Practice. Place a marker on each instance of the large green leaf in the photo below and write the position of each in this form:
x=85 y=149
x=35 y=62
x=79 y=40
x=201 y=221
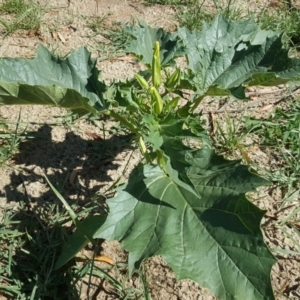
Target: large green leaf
x=48 y=80
x=223 y=58
x=228 y=54
x=144 y=40
x=169 y=135
x=211 y=235
x=173 y=128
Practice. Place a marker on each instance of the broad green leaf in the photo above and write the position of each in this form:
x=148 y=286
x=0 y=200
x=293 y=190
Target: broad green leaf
x=229 y=54
x=80 y=238
x=173 y=128
x=292 y=69
x=267 y=79
x=144 y=40
x=71 y=83
x=169 y=135
x=211 y=235
x=223 y=58
x=210 y=173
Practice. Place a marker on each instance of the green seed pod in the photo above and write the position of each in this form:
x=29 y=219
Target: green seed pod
x=142 y=146
x=156 y=68
x=142 y=81
x=173 y=80
x=156 y=100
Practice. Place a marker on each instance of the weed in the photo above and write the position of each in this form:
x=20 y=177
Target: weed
x=283 y=20
x=24 y=15
x=171 y=2
x=118 y=282
x=230 y=137
x=9 y=140
x=281 y=133
x=115 y=34
x=97 y=23
x=194 y=15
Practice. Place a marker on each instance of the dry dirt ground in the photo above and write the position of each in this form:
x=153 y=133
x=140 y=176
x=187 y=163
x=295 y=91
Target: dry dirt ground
x=59 y=150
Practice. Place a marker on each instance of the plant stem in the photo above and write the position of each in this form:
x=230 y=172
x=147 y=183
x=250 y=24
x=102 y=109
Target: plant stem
x=123 y=121
x=143 y=149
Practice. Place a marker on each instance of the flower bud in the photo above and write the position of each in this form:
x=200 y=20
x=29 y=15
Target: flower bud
x=142 y=81
x=156 y=100
x=156 y=68
x=142 y=146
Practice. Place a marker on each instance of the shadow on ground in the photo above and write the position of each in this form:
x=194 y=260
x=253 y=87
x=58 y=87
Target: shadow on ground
x=78 y=168
x=42 y=219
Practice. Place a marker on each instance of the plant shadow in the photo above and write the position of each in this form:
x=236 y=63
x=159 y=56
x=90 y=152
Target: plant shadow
x=78 y=168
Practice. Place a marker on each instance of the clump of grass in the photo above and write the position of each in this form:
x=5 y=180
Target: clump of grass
x=9 y=140
x=229 y=137
x=280 y=133
x=20 y=15
x=172 y=2
x=10 y=238
x=194 y=15
x=13 y=6
x=283 y=20
x=97 y=23
x=114 y=32
x=31 y=240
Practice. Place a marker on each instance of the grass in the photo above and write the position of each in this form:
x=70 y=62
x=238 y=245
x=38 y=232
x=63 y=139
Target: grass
x=229 y=137
x=172 y=2
x=279 y=136
x=29 y=244
x=194 y=15
x=280 y=132
x=10 y=140
x=283 y=20
x=115 y=34
x=32 y=237
x=20 y=15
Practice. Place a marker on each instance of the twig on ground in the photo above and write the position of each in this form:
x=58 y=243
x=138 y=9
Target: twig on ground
x=252 y=104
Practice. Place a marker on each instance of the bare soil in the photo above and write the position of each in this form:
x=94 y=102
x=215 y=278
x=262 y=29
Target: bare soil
x=61 y=152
